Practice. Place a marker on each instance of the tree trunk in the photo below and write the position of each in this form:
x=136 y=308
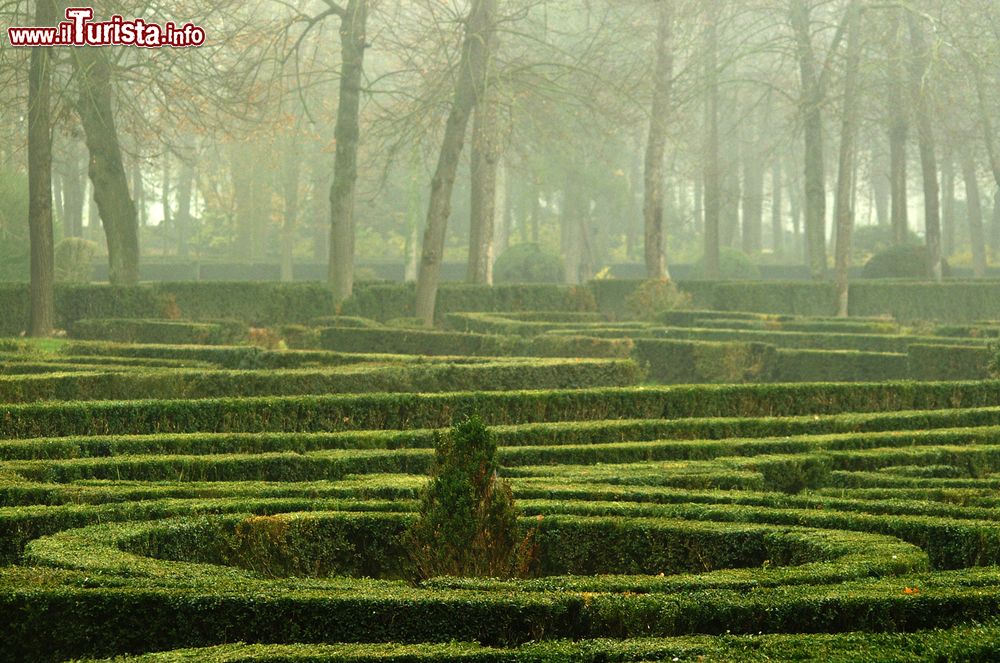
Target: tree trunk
x=571 y=241
x=948 y=220
x=925 y=136
x=712 y=185
x=347 y=132
x=73 y=190
x=93 y=216
x=899 y=129
x=40 y=181
x=290 y=198
x=813 y=96
x=848 y=153
x=242 y=167
x=185 y=189
x=536 y=211
x=880 y=187
x=729 y=199
x=107 y=172
x=483 y=175
x=472 y=69
x=995 y=235
x=753 y=204
x=974 y=214
x=165 y=192
x=139 y=192
x=654 y=246
x=795 y=194
x=777 y=202
x=319 y=215
x=505 y=213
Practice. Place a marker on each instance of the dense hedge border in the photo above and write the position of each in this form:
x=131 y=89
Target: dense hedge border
x=170 y=332
x=966 y=643
x=401 y=411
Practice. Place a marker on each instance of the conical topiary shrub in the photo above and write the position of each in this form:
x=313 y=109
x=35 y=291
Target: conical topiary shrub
x=468 y=522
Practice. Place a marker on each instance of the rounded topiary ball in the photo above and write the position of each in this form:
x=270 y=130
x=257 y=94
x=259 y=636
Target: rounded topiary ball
x=905 y=261
x=528 y=263
x=734 y=265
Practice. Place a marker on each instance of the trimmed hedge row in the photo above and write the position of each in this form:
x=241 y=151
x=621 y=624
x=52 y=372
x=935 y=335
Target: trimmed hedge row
x=170 y=332
x=686 y=362
x=400 y=411
x=949 y=362
x=951 y=301
x=134 y=617
x=850 y=366
x=423 y=342
x=966 y=643
x=188 y=383
x=387 y=302
x=265 y=303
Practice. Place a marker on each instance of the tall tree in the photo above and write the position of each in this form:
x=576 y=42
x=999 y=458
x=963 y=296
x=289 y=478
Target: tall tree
x=656 y=262
x=899 y=129
x=486 y=148
x=712 y=190
x=814 y=76
x=974 y=213
x=919 y=65
x=848 y=154
x=347 y=133
x=469 y=86
x=40 y=180
x=107 y=171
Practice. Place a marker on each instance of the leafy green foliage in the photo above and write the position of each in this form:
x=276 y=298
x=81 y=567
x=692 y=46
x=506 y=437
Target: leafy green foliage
x=468 y=521
x=654 y=298
x=905 y=261
x=74 y=259
x=528 y=263
x=734 y=265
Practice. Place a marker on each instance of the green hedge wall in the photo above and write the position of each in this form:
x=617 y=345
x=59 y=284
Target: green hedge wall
x=380 y=411
x=425 y=342
x=387 y=302
x=170 y=332
x=949 y=362
x=188 y=383
x=951 y=301
x=688 y=362
x=844 y=366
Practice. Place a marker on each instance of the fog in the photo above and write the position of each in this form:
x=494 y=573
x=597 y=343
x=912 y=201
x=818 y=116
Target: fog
x=366 y=140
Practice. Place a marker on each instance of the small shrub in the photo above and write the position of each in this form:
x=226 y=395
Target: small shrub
x=74 y=259
x=734 y=265
x=468 y=521
x=528 y=263
x=654 y=298
x=905 y=261
x=267 y=339
x=868 y=241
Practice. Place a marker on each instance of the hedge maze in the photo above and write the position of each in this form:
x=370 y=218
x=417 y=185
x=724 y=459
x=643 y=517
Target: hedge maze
x=169 y=492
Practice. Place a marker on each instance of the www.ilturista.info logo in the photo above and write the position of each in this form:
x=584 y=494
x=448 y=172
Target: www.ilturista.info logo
x=79 y=30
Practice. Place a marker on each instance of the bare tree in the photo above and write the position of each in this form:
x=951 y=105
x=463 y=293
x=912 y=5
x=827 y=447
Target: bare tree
x=814 y=76
x=848 y=155
x=919 y=65
x=656 y=263
x=712 y=176
x=347 y=133
x=107 y=170
x=469 y=86
x=40 y=180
